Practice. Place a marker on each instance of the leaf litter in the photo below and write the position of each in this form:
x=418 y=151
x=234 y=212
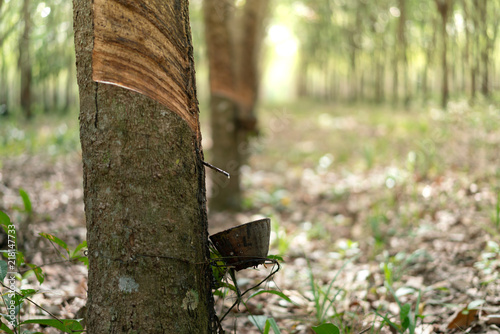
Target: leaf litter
x=376 y=203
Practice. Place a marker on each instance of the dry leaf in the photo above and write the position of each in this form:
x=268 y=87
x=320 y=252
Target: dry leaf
x=463 y=319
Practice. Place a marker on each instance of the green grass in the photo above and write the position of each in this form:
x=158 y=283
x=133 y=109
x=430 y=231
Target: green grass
x=45 y=135
x=363 y=136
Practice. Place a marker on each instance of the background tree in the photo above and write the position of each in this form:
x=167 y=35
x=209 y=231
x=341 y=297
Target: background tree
x=37 y=63
x=144 y=187
x=399 y=50
x=349 y=50
x=7 y=27
x=233 y=39
x=25 y=61
x=444 y=8
x=488 y=12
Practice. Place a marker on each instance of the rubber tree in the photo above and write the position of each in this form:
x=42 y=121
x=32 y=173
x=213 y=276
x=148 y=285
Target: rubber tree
x=444 y=8
x=402 y=53
x=144 y=181
x=233 y=36
x=25 y=60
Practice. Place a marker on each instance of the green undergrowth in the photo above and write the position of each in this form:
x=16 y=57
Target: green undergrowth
x=51 y=135
x=16 y=272
x=391 y=175
x=364 y=136
x=384 y=177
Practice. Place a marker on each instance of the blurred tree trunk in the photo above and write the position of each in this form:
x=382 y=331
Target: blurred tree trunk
x=444 y=8
x=4 y=88
x=68 y=92
x=353 y=91
x=233 y=56
x=144 y=182
x=395 y=76
x=488 y=12
x=25 y=61
x=353 y=38
x=302 y=75
x=226 y=192
x=480 y=6
x=474 y=46
x=466 y=63
x=44 y=85
x=403 y=57
x=4 y=34
x=54 y=92
x=428 y=46
x=248 y=76
x=362 y=86
x=380 y=76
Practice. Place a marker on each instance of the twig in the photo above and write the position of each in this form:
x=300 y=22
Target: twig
x=216 y=169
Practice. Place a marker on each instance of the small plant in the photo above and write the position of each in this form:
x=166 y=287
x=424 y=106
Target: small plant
x=222 y=287
x=280 y=238
x=496 y=214
x=13 y=297
x=326 y=329
x=490 y=262
x=369 y=156
x=407 y=318
x=395 y=266
x=323 y=301
x=264 y=324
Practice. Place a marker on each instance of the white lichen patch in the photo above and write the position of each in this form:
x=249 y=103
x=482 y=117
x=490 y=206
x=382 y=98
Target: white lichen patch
x=190 y=301
x=127 y=284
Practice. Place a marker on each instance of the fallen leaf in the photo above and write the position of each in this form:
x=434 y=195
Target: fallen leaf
x=463 y=319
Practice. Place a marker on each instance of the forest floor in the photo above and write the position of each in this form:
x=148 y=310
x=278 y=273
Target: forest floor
x=379 y=213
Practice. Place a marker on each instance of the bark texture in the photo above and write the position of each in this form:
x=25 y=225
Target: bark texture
x=144 y=190
x=142 y=45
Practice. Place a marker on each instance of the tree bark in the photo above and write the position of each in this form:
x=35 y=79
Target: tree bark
x=144 y=195
x=25 y=61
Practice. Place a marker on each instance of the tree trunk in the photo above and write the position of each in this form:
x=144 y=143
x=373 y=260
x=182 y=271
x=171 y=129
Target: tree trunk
x=226 y=193
x=254 y=14
x=444 y=7
x=428 y=47
x=25 y=61
x=379 y=63
x=395 y=76
x=68 y=91
x=233 y=90
x=403 y=50
x=4 y=87
x=302 y=75
x=144 y=190
x=466 y=58
x=444 y=65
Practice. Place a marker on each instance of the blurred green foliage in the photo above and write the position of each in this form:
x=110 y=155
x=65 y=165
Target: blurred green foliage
x=49 y=136
x=51 y=55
